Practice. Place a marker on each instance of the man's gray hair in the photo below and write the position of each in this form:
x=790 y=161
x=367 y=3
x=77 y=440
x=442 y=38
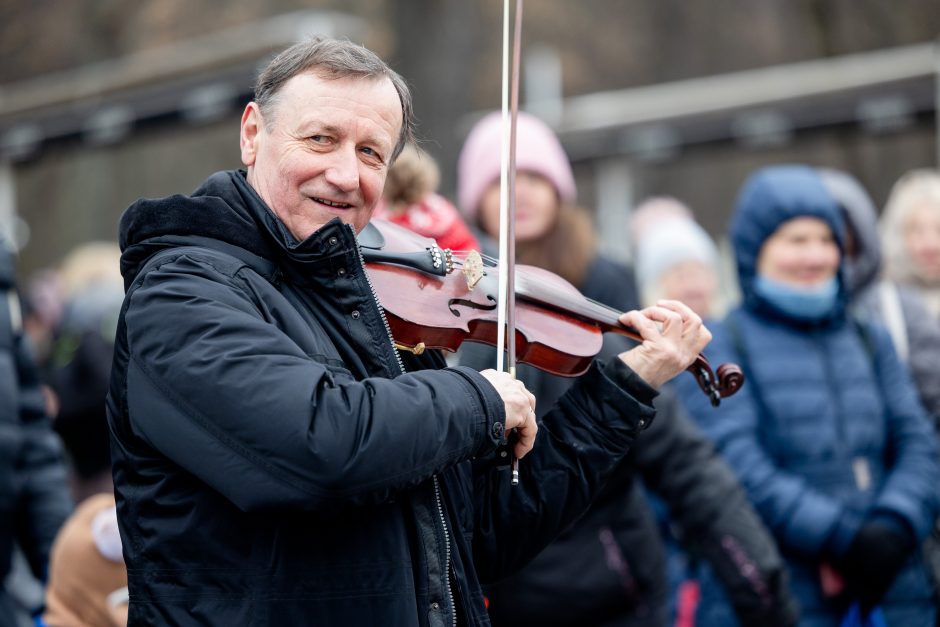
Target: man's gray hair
x=332 y=58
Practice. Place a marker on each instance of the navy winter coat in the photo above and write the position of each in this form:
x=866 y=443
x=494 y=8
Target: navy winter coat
x=272 y=464
x=616 y=547
x=828 y=427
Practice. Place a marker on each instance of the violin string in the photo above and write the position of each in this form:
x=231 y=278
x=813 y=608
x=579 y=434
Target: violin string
x=459 y=255
x=543 y=292
x=549 y=294
x=552 y=294
x=523 y=286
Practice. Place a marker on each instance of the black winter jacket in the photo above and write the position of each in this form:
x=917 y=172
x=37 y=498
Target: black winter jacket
x=272 y=464
x=34 y=498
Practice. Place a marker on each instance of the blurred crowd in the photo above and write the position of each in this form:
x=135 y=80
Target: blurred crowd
x=811 y=497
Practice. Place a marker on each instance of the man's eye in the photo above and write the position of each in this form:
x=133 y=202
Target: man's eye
x=368 y=151
x=318 y=138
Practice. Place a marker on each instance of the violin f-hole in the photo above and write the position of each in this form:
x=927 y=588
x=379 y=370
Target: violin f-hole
x=471 y=304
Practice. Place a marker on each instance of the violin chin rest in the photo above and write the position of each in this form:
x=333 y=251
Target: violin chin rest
x=371 y=237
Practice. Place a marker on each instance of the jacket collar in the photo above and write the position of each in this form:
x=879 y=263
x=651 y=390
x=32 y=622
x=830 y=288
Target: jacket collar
x=226 y=208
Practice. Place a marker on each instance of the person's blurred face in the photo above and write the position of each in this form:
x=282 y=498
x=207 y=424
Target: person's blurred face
x=325 y=150
x=537 y=207
x=922 y=239
x=801 y=253
x=692 y=282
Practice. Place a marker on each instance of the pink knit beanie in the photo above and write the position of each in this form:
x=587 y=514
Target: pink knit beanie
x=537 y=150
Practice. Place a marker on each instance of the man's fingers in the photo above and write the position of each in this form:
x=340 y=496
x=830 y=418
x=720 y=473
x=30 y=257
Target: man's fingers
x=688 y=315
x=642 y=324
x=663 y=314
x=526 y=433
x=531 y=400
x=518 y=401
x=692 y=324
x=673 y=335
x=654 y=323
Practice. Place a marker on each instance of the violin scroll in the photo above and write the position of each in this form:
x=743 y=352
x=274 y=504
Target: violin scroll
x=729 y=380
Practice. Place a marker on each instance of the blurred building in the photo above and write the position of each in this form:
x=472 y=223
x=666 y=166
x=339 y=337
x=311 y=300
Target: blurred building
x=873 y=114
x=77 y=146
x=120 y=100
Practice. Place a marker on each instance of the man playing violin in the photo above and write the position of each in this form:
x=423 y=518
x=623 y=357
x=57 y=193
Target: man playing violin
x=276 y=460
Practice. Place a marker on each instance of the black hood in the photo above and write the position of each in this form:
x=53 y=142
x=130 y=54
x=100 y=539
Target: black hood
x=224 y=208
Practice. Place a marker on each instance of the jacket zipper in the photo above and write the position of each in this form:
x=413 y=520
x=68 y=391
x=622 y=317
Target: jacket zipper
x=375 y=299
x=437 y=486
x=440 y=512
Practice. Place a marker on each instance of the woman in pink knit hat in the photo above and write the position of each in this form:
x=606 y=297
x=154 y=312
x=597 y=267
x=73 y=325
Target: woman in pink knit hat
x=551 y=231
x=609 y=568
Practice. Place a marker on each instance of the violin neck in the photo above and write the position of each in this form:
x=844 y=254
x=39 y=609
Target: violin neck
x=606 y=318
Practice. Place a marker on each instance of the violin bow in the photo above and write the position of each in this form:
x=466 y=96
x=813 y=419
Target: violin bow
x=505 y=314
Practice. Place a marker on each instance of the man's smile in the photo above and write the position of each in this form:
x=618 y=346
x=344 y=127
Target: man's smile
x=331 y=203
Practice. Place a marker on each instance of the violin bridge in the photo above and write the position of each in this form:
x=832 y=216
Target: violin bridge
x=473 y=269
x=417 y=349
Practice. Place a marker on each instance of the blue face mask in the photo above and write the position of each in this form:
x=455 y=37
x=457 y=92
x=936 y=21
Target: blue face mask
x=808 y=304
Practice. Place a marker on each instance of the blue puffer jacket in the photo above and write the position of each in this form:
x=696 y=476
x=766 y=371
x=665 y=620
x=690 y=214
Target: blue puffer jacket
x=828 y=427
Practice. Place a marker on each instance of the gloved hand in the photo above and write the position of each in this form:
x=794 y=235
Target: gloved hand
x=879 y=550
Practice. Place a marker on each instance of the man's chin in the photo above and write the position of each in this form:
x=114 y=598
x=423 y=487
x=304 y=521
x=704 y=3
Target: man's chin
x=357 y=220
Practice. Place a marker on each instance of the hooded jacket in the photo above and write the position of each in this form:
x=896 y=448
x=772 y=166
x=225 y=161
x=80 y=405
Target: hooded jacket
x=616 y=547
x=827 y=429
x=273 y=464
x=915 y=333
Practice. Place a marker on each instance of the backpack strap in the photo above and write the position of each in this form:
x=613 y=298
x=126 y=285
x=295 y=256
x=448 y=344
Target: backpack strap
x=732 y=324
x=864 y=331
x=893 y=317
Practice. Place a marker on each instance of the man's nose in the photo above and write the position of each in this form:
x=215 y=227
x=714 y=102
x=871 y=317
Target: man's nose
x=343 y=170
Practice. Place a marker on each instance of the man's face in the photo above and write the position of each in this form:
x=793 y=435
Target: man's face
x=323 y=151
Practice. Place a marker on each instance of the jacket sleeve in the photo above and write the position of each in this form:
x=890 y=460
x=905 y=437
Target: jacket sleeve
x=801 y=518
x=714 y=518
x=44 y=501
x=580 y=441
x=923 y=336
x=911 y=487
x=226 y=395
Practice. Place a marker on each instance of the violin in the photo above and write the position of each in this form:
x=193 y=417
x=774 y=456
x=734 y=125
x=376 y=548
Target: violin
x=436 y=299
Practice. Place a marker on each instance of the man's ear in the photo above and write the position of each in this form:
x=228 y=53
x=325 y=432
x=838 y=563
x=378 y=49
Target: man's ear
x=251 y=128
